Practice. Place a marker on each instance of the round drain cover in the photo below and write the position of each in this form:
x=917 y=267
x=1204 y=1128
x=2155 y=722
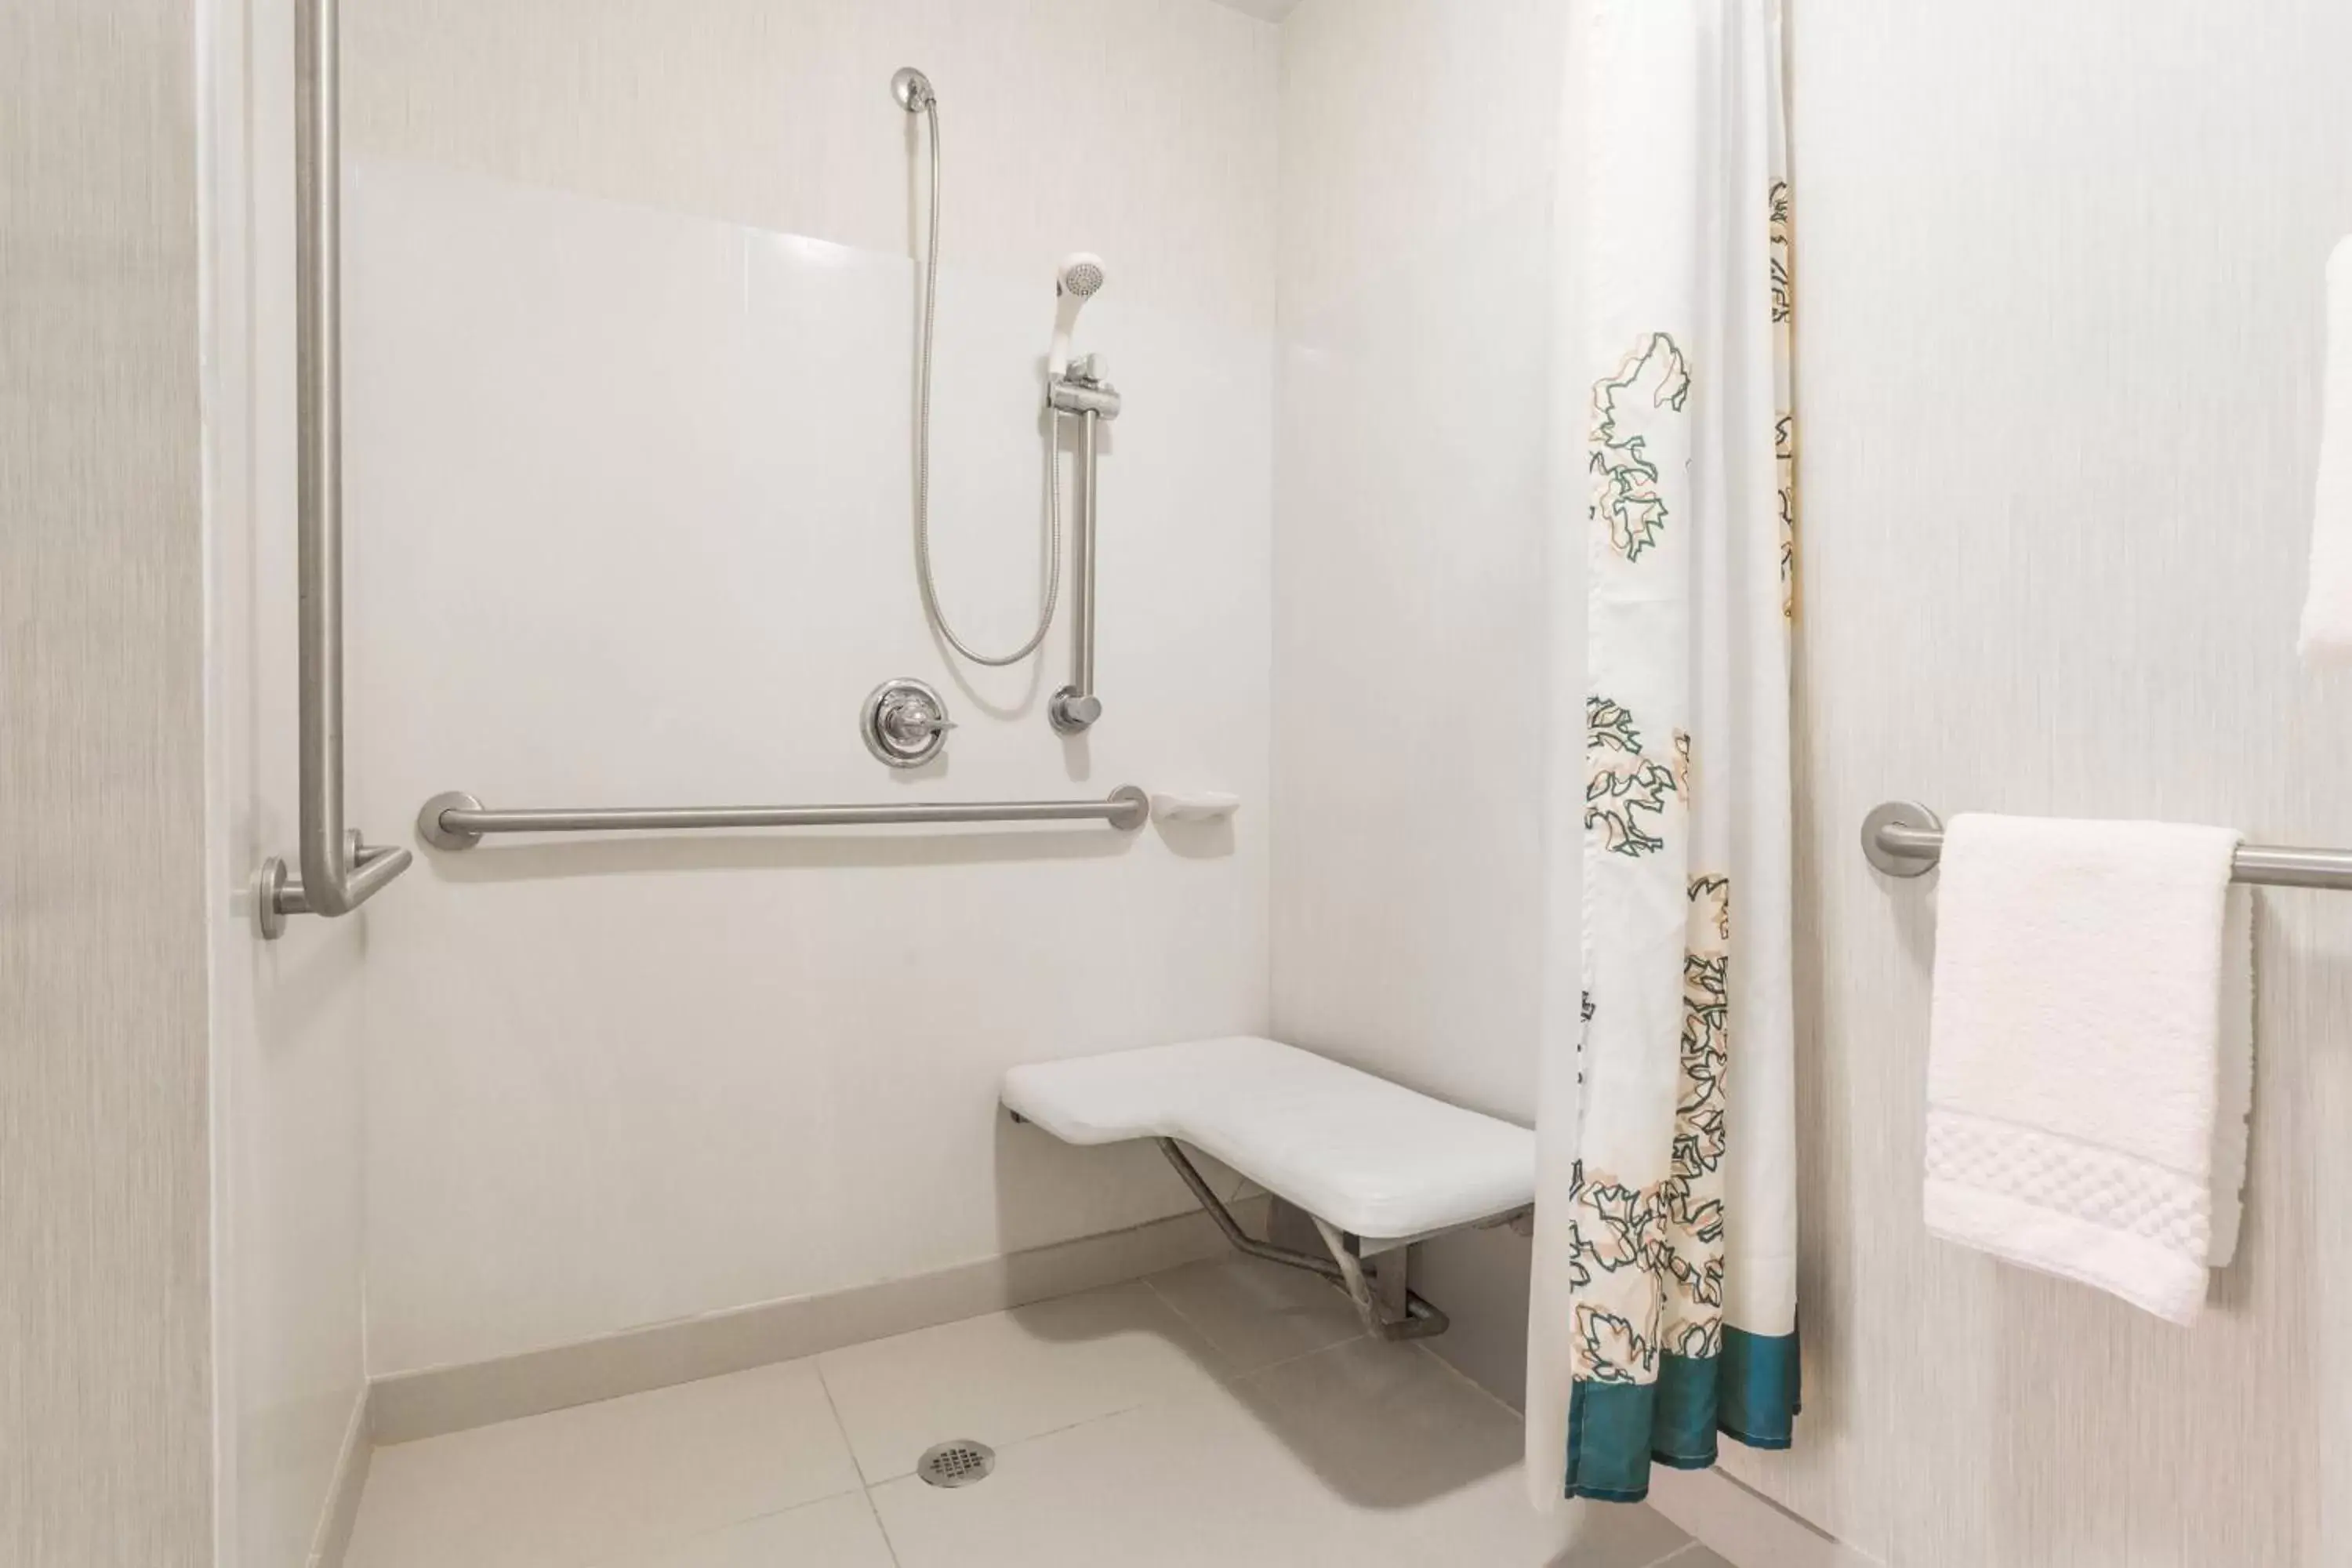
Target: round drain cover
x=956 y=1464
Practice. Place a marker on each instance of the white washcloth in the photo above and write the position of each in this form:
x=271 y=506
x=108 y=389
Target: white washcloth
x=2090 y=1059
x=2327 y=613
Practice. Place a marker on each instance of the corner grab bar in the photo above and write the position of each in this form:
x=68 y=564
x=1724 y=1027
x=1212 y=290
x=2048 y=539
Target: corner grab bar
x=340 y=871
x=458 y=821
x=1904 y=839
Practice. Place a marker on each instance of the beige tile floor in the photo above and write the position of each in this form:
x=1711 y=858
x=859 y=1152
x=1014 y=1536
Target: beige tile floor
x=1225 y=1414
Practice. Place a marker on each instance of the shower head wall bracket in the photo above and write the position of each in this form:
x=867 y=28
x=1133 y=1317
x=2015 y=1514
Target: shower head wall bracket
x=1083 y=390
x=912 y=90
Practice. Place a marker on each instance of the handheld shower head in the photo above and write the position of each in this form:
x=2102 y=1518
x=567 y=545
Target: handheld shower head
x=1080 y=278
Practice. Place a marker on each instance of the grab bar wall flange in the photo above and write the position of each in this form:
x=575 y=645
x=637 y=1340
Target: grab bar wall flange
x=1904 y=839
x=1890 y=838
x=458 y=821
x=339 y=871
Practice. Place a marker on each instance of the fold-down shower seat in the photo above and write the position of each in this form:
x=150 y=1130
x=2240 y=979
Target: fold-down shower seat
x=1377 y=1166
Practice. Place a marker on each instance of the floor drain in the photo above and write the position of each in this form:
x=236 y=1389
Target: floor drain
x=956 y=1463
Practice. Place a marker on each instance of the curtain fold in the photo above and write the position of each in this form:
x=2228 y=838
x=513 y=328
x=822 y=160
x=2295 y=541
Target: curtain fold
x=1664 y=1301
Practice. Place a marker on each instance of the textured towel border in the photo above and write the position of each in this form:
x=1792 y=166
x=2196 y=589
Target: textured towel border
x=2142 y=1272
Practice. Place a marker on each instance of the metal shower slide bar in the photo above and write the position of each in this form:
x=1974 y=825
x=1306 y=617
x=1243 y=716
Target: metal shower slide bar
x=340 y=871
x=1904 y=839
x=459 y=821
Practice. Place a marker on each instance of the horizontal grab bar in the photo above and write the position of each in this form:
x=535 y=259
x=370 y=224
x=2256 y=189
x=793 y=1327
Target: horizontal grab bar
x=1904 y=839
x=458 y=821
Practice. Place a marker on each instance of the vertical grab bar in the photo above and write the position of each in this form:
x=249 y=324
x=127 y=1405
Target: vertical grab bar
x=1082 y=614
x=339 y=871
x=1083 y=392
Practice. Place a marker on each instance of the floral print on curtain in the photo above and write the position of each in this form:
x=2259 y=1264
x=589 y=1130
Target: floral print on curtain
x=1678 y=1297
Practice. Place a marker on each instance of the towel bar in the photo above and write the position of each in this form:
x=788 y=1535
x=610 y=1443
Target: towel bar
x=1904 y=839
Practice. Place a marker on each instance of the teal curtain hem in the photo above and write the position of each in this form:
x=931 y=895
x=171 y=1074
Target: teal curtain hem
x=1616 y=1431
x=1758 y=1440
x=1678 y=1462
x=1762 y=1385
x=1609 y=1440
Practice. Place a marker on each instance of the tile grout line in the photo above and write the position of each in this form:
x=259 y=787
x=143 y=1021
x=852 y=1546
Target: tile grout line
x=1082 y=1421
x=1244 y=1375
x=1014 y=1443
x=1355 y=1338
x=857 y=1466
x=873 y=1484
x=1221 y=1384
x=735 y=1524
x=1352 y=1338
x=1499 y=1401
x=1011 y=1444
x=1178 y=1312
x=874 y=1511
x=840 y=1427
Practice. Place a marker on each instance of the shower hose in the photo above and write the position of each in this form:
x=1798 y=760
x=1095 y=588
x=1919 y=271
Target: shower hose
x=923 y=461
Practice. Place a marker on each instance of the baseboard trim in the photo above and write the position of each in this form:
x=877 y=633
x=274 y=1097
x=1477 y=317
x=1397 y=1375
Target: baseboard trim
x=1743 y=1526
x=406 y=1406
x=341 y=1508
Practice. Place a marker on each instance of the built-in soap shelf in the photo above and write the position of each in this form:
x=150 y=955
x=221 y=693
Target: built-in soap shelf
x=1196 y=805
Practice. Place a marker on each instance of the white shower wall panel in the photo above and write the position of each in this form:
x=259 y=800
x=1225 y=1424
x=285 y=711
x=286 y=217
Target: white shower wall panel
x=630 y=496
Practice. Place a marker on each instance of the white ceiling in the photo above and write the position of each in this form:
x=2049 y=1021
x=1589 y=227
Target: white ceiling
x=1272 y=10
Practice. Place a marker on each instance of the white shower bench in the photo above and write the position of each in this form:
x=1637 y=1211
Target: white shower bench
x=1377 y=1166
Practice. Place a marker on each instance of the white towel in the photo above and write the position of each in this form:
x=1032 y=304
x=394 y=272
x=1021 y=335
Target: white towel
x=2091 y=1052
x=2327 y=613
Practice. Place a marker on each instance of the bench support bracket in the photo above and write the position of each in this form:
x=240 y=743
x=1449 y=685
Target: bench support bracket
x=1383 y=1299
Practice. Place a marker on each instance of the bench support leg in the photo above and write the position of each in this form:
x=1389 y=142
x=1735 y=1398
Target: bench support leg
x=1384 y=1301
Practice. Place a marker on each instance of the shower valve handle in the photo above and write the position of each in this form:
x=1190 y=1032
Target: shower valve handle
x=910 y=723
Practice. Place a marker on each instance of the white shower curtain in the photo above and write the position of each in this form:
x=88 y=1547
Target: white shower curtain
x=1664 y=1300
